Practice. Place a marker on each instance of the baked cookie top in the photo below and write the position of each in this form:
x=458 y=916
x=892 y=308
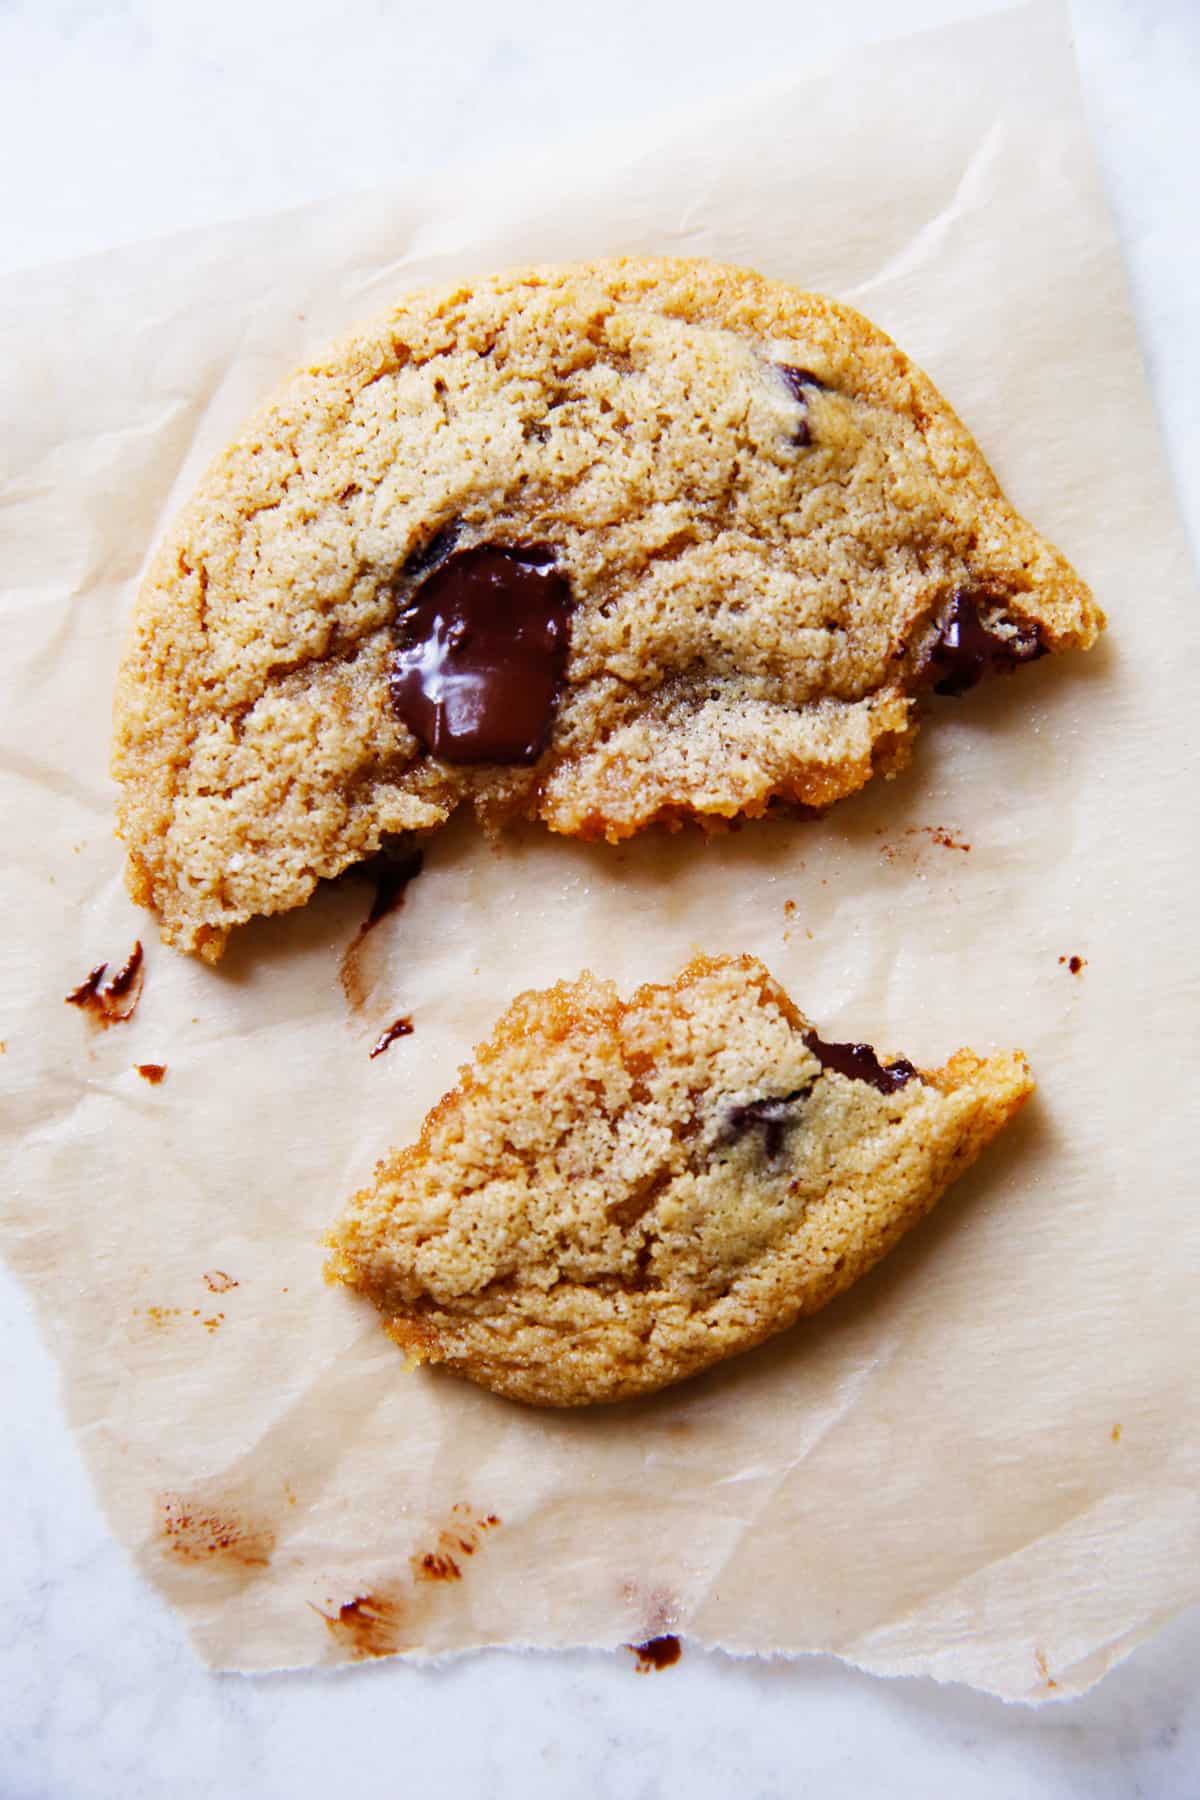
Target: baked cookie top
x=618 y=1195
x=602 y=545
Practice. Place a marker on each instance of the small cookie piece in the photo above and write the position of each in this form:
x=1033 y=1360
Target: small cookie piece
x=603 y=545
x=618 y=1195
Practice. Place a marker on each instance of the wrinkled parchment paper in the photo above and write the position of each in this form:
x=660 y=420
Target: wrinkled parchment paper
x=982 y=1464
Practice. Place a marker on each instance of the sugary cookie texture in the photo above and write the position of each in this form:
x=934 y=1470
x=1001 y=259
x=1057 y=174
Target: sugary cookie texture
x=601 y=545
x=618 y=1195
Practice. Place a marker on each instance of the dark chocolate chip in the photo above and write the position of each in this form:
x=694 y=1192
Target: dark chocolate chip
x=860 y=1063
x=797 y=380
x=967 y=648
x=483 y=652
x=774 y=1113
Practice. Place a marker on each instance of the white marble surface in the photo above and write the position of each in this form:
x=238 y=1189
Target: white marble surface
x=123 y=120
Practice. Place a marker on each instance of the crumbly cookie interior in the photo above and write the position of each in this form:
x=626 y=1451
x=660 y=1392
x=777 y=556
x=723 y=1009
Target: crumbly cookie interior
x=619 y=1194
x=758 y=566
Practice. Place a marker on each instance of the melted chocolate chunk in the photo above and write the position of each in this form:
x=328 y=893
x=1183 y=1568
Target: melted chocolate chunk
x=483 y=651
x=860 y=1063
x=397 y=1029
x=796 y=381
x=774 y=1113
x=968 y=649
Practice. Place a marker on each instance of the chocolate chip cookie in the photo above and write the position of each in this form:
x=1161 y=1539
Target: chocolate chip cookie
x=603 y=545
x=618 y=1195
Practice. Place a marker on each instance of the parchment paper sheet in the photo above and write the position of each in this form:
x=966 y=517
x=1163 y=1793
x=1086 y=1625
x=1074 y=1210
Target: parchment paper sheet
x=982 y=1464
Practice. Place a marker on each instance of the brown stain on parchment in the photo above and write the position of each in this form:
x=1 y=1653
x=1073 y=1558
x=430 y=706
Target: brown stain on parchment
x=114 y=1001
x=656 y=1653
x=458 y=1539
x=194 y=1530
x=217 y=1281
x=1039 y=1658
x=391 y=873
x=154 y=1073
x=399 y=1028
x=161 y=1315
x=916 y=837
x=372 y=1623
x=351 y=977
x=657 y=1610
x=369 y=1624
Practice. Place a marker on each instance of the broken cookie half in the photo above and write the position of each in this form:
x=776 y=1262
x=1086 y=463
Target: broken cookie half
x=603 y=545
x=619 y=1194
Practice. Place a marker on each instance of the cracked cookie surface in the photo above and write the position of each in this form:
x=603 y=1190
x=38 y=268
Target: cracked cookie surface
x=761 y=532
x=618 y=1195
